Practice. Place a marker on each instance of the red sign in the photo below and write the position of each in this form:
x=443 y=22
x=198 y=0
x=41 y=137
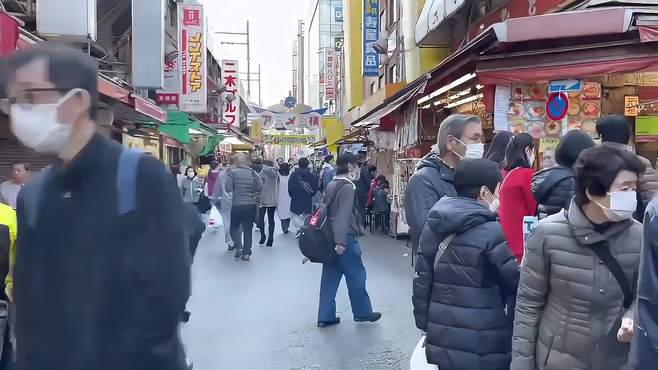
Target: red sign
x=513 y=9
x=557 y=106
x=192 y=17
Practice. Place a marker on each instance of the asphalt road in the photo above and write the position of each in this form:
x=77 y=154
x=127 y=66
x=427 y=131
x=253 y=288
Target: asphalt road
x=262 y=314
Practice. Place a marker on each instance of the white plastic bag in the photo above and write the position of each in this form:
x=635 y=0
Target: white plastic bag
x=215 y=219
x=419 y=358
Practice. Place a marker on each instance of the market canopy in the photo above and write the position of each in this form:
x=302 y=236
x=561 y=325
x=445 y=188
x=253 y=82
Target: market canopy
x=182 y=127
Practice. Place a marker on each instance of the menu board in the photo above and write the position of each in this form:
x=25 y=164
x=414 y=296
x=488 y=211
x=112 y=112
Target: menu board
x=527 y=112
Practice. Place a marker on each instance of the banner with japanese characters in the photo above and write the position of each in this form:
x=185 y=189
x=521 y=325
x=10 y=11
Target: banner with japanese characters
x=330 y=61
x=192 y=59
x=168 y=95
x=231 y=80
x=370 y=35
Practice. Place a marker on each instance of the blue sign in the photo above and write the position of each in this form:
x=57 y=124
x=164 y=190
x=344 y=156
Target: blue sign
x=290 y=102
x=370 y=35
x=564 y=86
x=338 y=13
x=557 y=106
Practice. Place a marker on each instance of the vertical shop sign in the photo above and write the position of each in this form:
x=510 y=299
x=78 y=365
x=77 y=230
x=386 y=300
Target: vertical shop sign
x=168 y=96
x=370 y=35
x=330 y=74
x=192 y=59
x=231 y=80
x=631 y=104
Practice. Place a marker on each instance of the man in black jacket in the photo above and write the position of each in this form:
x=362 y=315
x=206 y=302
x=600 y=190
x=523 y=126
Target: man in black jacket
x=466 y=275
x=102 y=269
x=460 y=136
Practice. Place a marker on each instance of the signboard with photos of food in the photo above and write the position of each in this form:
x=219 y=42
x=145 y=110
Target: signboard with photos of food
x=528 y=105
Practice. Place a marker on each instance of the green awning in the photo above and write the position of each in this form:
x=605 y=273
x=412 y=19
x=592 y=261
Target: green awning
x=178 y=126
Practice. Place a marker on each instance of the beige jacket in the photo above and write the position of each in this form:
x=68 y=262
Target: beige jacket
x=569 y=306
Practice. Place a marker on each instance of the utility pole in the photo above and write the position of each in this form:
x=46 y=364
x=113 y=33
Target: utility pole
x=248 y=45
x=249 y=79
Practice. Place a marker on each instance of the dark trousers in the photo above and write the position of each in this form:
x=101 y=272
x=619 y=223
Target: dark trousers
x=270 y=222
x=285 y=225
x=349 y=264
x=242 y=223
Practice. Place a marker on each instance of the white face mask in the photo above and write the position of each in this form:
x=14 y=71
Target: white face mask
x=622 y=206
x=354 y=174
x=473 y=150
x=531 y=158
x=37 y=126
x=190 y=174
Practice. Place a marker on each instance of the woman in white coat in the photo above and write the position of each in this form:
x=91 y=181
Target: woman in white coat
x=283 y=206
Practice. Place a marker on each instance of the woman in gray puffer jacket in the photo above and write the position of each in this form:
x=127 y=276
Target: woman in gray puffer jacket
x=569 y=305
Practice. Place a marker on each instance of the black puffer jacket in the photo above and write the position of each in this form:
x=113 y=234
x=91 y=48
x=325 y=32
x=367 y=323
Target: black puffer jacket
x=460 y=302
x=553 y=189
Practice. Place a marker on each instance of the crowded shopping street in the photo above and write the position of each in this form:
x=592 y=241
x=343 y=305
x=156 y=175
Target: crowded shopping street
x=329 y=184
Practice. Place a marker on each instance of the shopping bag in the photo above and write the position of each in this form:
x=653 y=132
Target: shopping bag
x=419 y=359
x=215 y=219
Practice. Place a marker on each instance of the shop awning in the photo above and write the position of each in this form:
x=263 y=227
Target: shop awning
x=432 y=28
x=391 y=104
x=178 y=126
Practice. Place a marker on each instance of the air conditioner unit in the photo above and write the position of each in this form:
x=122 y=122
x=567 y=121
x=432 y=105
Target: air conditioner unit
x=78 y=24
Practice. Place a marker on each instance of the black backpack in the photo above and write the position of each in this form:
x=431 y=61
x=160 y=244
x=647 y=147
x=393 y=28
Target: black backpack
x=316 y=238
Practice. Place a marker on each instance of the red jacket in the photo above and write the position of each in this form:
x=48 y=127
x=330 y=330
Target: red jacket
x=373 y=184
x=516 y=201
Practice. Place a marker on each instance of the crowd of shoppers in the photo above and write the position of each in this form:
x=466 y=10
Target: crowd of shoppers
x=579 y=293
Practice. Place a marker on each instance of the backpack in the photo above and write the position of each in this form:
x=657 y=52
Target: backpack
x=126 y=185
x=316 y=239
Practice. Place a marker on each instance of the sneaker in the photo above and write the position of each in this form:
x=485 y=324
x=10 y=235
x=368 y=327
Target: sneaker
x=238 y=254
x=262 y=241
x=324 y=324
x=245 y=257
x=269 y=242
x=231 y=247
x=375 y=316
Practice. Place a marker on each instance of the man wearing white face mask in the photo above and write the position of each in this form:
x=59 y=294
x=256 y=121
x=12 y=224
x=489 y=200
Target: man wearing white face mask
x=579 y=272
x=463 y=252
x=102 y=246
x=460 y=136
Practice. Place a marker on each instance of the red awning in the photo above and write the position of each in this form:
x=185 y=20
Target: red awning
x=579 y=70
x=648 y=33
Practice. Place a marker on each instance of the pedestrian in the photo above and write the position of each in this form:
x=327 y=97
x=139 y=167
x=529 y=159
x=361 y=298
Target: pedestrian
x=279 y=162
x=8 y=230
x=578 y=274
x=615 y=131
x=101 y=246
x=327 y=173
x=374 y=184
x=554 y=187
x=302 y=186
x=244 y=184
x=223 y=201
x=516 y=199
x=381 y=206
x=283 y=199
x=191 y=186
x=368 y=173
x=466 y=277
x=460 y=136
x=644 y=346
x=211 y=179
x=497 y=147
x=20 y=173
x=346 y=228
x=268 y=201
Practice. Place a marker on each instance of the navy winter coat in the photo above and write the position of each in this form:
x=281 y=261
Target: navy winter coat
x=553 y=189
x=460 y=300
x=302 y=186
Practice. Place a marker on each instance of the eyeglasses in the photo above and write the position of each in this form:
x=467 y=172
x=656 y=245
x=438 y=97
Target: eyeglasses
x=29 y=97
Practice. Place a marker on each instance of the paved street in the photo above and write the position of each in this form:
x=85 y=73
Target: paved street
x=262 y=314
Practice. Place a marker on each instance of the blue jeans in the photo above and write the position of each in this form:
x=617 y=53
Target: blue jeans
x=349 y=264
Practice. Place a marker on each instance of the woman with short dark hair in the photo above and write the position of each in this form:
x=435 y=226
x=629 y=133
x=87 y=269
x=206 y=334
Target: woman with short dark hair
x=578 y=274
x=497 y=148
x=516 y=199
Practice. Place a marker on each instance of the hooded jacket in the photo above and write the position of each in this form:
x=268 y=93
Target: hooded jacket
x=569 y=306
x=553 y=189
x=460 y=300
x=431 y=182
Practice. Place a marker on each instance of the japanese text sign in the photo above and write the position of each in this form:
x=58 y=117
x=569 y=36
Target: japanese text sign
x=631 y=104
x=192 y=59
x=231 y=80
x=330 y=74
x=168 y=95
x=370 y=35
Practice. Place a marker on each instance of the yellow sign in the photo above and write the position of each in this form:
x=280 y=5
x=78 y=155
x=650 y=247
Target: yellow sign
x=548 y=143
x=631 y=105
x=289 y=139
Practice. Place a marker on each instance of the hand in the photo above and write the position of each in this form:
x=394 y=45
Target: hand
x=340 y=249
x=625 y=333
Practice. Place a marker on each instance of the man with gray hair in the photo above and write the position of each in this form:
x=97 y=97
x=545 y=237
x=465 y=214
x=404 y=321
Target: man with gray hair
x=460 y=136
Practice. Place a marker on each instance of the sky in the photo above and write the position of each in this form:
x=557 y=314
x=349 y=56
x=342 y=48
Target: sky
x=273 y=28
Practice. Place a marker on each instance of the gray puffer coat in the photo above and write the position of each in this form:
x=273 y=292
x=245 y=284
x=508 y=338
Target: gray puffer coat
x=569 y=306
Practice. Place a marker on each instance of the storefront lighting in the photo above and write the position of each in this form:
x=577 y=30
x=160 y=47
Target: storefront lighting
x=194 y=132
x=447 y=87
x=464 y=101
